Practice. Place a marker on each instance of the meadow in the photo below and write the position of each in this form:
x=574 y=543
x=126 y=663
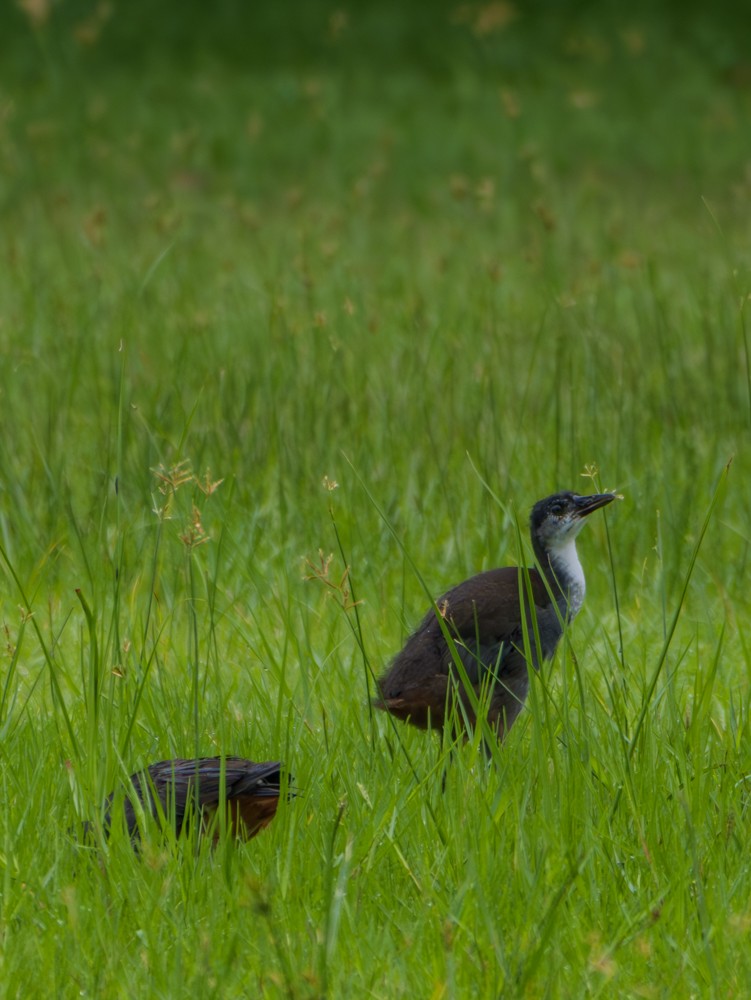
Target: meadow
x=301 y=308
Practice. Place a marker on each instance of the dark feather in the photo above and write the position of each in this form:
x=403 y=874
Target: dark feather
x=177 y=789
x=483 y=616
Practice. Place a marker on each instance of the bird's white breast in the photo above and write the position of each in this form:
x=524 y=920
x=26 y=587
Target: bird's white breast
x=570 y=575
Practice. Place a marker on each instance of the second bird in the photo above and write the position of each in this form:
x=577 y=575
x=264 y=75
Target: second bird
x=484 y=617
x=172 y=790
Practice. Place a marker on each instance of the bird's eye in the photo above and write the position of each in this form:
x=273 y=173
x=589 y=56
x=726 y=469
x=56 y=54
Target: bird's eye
x=556 y=508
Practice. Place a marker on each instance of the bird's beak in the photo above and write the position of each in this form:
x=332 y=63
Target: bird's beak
x=585 y=505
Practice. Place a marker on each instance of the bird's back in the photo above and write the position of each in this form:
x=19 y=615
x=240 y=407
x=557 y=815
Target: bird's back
x=177 y=788
x=483 y=615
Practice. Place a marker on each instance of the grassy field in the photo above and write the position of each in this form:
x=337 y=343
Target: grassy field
x=369 y=281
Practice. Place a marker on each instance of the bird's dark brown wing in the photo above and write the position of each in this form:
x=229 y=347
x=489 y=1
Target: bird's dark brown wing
x=486 y=608
x=251 y=791
x=484 y=616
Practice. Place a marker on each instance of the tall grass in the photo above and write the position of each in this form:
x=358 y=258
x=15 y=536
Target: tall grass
x=297 y=320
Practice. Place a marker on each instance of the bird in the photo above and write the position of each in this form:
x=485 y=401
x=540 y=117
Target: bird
x=484 y=617
x=173 y=791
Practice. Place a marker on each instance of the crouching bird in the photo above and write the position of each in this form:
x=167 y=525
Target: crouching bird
x=175 y=792
x=487 y=617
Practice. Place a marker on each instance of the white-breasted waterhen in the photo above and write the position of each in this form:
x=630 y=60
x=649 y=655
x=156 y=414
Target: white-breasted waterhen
x=484 y=618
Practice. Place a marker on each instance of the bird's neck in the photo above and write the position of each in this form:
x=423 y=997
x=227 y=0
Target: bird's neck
x=565 y=575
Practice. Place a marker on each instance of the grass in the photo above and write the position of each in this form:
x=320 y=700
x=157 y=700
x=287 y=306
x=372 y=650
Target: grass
x=451 y=264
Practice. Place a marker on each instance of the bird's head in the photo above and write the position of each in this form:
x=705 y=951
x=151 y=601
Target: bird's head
x=559 y=518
